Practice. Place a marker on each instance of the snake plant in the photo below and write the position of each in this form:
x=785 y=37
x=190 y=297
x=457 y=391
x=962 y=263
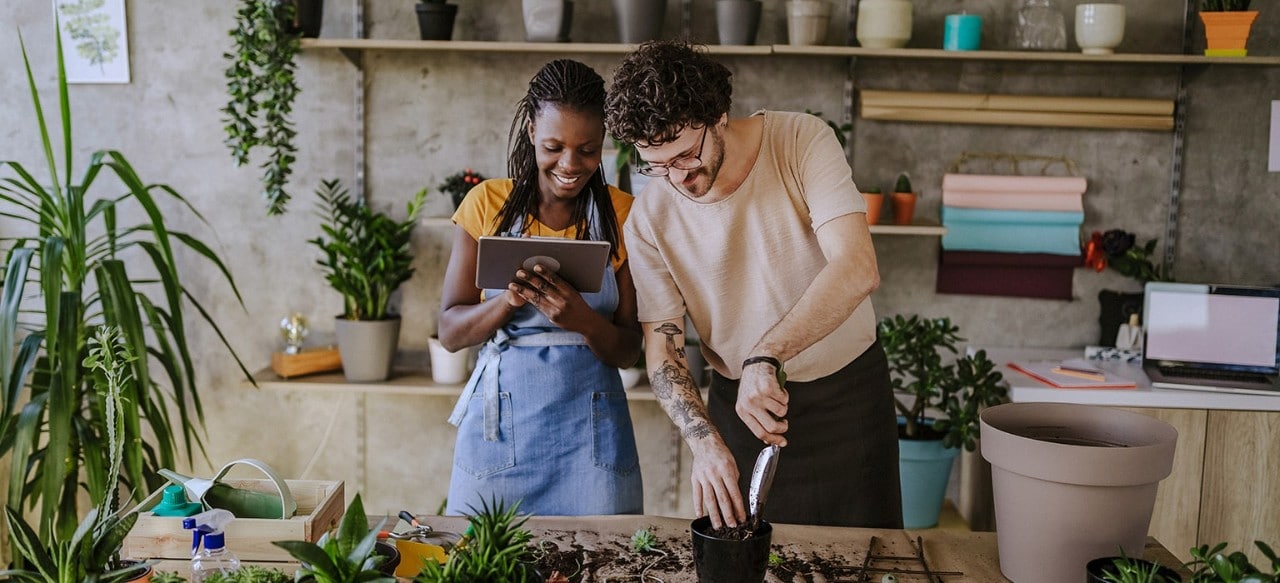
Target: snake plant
x=89 y=258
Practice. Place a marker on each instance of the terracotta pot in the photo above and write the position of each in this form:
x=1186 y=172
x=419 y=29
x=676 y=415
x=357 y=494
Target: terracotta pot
x=875 y=202
x=1071 y=483
x=1226 y=33
x=904 y=207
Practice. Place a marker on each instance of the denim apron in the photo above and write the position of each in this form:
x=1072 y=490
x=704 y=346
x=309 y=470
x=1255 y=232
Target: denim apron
x=544 y=422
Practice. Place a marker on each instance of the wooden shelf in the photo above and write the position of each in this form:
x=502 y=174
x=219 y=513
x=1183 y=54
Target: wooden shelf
x=402 y=382
x=355 y=44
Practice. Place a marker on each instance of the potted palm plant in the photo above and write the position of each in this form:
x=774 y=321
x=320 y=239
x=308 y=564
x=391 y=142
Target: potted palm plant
x=366 y=256
x=1226 y=26
x=939 y=405
x=89 y=252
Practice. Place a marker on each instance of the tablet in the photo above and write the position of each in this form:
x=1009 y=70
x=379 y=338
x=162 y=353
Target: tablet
x=580 y=263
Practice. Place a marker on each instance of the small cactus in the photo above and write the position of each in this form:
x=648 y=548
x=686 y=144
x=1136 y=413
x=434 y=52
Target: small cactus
x=903 y=184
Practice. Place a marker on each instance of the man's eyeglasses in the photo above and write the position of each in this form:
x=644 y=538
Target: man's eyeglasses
x=693 y=162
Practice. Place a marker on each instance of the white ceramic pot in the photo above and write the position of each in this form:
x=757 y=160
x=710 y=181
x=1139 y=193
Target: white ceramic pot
x=884 y=24
x=807 y=21
x=631 y=376
x=1099 y=28
x=448 y=368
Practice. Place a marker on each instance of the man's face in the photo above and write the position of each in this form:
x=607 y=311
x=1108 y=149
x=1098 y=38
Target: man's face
x=567 y=144
x=699 y=147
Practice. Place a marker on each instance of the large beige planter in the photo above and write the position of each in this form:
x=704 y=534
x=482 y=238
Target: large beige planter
x=1071 y=483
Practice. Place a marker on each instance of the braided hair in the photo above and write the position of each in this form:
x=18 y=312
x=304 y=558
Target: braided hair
x=560 y=83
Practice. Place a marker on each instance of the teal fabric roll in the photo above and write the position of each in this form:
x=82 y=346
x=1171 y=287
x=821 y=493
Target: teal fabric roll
x=1013 y=238
x=976 y=215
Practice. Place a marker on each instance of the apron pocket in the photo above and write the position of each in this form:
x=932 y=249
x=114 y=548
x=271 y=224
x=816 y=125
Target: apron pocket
x=476 y=456
x=613 y=443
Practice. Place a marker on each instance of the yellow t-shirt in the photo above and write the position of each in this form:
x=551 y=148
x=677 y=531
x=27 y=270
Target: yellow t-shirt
x=478 y=214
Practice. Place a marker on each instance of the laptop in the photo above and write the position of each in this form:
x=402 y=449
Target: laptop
x=1211 y=337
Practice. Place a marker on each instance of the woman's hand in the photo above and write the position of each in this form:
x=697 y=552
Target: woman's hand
x=551 y=295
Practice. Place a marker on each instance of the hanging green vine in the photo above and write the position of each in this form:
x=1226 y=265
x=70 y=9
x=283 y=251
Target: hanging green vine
x=261 y=85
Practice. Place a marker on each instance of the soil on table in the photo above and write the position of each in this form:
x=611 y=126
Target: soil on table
x=587 y=556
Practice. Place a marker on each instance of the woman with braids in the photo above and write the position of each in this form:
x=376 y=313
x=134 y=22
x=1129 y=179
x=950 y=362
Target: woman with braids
x=544 y=420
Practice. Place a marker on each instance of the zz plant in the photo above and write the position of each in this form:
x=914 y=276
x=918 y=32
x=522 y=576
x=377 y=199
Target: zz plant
x=262 y=87
x=958 y=390
x=79 y=265
x=366 y=253
x=344 y=555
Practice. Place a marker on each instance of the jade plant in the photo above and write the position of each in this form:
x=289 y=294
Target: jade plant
x=923 y=382
x=366 y=254
x=1215 y=565
x=261 y=86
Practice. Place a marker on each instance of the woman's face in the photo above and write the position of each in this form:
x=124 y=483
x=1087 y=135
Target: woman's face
x=567 y=143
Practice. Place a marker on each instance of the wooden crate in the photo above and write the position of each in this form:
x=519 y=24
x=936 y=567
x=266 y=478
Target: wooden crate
x=320 y=508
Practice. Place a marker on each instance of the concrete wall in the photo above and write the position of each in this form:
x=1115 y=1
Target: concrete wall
x=431 y=114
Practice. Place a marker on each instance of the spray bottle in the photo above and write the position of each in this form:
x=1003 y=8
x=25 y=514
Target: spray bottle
x=209 y=553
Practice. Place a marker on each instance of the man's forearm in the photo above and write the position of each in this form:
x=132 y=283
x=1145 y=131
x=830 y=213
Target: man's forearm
x=673 y=386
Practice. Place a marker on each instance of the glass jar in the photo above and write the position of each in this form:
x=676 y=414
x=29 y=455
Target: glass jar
x=1039 y=26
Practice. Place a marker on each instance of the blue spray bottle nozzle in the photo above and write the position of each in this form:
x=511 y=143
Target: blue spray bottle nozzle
x=210 y=523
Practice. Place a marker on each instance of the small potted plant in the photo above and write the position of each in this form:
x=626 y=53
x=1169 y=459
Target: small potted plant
x=841 y=130
x=435 y=19
x=344 y=555
x=922 y=383
x=1226 y=27
x=1214 y=565
x=495 y=548
x=875 y=203
x=904 y=200
x=458 y=185
x=1118 y=249
x=366 y=256
x=1126 y=569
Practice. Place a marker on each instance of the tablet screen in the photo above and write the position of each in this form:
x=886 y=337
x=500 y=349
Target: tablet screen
x=580 y=263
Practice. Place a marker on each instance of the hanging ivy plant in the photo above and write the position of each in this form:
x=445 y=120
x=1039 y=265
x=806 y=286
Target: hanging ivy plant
x=261 y=85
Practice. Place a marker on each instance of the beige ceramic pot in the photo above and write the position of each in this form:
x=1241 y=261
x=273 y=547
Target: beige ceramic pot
x=1071 y=483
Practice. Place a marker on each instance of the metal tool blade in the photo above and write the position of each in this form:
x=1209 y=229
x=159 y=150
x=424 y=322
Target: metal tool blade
x=761 y=480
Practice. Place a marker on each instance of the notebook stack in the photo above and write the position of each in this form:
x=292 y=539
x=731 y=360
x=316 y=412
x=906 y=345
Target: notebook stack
x=1010 y=235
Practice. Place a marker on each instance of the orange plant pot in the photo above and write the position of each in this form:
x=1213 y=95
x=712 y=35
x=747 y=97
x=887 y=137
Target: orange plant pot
x=904 y=207
x=875 y=203
x=1226 y=33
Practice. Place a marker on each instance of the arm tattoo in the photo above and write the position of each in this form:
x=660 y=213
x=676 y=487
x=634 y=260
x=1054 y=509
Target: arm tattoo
x=674 y=388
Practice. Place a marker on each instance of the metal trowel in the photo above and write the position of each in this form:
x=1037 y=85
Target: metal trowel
x=761 y=480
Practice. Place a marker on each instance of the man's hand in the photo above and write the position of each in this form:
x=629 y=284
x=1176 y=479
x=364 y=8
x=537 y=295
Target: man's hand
x=762 y=403
x=715 y=486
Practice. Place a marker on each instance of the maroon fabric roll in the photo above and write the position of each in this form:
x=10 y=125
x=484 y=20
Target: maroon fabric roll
x=1024 y=275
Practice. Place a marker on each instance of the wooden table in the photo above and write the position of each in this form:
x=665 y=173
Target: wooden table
x=966 y=556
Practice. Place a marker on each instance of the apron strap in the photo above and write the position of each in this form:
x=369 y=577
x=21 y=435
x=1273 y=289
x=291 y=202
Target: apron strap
x=486 y=375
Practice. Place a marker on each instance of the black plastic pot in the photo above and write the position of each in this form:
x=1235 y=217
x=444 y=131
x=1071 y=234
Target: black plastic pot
x=730 y=561
x=388 y=550
x=1096 y=567
x=435 y=20
x=307 y=17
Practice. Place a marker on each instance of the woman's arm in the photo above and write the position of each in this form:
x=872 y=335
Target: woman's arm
x=464 y=320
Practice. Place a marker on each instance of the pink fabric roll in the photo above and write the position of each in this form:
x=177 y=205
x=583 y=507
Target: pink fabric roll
x=1043 y=193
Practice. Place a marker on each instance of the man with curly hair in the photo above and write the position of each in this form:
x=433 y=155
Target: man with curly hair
x=759 y=236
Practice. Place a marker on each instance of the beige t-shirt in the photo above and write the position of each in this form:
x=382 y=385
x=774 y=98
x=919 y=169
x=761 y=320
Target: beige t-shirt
x=738 y=265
